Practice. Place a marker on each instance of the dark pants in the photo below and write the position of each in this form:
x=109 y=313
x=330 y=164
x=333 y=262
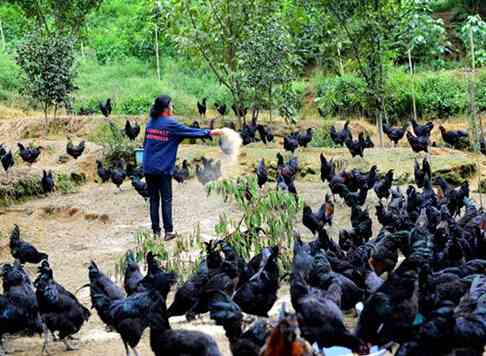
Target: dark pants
x=160 y=186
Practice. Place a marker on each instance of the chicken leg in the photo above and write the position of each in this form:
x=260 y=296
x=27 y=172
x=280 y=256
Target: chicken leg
x=46 y=342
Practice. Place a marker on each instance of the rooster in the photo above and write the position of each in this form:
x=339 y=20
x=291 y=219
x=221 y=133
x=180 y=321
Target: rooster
x=47 y=182
x=202 y=107
x=181 y=174
x=420 y=174
x=305 y=138
x=395 y=134
x=73 y=150
x=22 y=251
x=106 y=108
x=132 y=131
x=356 y=148
x=103 y=173
x=262 y=173
x=7 y=161
x=220 y=108
x=340 y=137
x=140 y=187
x=29 y=154
x=285 y=339
x=418 y=143
x=422 y=130
x=456 y=138
x=291 y=142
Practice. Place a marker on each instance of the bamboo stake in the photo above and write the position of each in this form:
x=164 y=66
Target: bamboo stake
x=414 y=105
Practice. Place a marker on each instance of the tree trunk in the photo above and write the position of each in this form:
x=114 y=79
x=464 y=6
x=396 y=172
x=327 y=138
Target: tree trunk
x=46 y=121
x=157 y=58
x=270 y=101
x=412 y=76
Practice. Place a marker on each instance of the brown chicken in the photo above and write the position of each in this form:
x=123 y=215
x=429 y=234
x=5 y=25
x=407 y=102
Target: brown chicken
x=285 y=340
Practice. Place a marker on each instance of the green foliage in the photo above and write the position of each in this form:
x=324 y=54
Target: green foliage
x=475 y=27
x=9 y=77
x=184 y=259
x=422 y=34
x=438 y=94
x=48 y=65
x=58 y=16
x=133 y=86
x=322 y=135
x=341 y=95
x=273 y=212
x=115 y=144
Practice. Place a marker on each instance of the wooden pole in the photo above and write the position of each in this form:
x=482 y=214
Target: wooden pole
x=341 y=66
x=412 y=76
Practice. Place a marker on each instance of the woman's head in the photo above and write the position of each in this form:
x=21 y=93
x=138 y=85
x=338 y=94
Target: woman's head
x=162 y=106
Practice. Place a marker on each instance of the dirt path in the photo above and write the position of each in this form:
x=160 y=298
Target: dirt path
x=97 y=224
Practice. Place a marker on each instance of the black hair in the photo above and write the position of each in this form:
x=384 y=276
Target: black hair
x=161 y=103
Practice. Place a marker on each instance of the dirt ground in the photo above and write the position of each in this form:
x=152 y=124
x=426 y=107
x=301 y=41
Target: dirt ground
x=99 y=223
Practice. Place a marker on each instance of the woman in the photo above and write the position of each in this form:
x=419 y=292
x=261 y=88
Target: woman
x=163 y=135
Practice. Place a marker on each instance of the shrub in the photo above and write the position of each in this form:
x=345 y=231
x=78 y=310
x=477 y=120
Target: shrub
x=322 y=136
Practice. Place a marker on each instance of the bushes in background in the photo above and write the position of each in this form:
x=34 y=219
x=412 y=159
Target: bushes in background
x=438 y=94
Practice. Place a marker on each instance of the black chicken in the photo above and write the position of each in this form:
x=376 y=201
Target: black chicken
x=7 y=161
x=75 y=151
x=29 y=154
x=482 y=145
x=106 y=108
x=356 y=148
x=258 y=295
x=291 y=142
x=422 y=130
x=209 y=171
x=316 y=221
x=262 y=173
x=118 y=174
x=103 y=293
x=133 y=276
x=352 y=198
x=321 y=320
x=202 y=107
x=220 y=108
x=60 y=309
x=305 y=138
x=132 y=131
x=103 y=173
x=418 y=143
x=395 y=134
x=19 y=310
x=141 y=187
x=22 y=251
x=383 y=186
x=265 y=133
x=420 y=174
x=327 y=168
x=458 y=139
x=47 y=182
x=339 y=138
x=181 y=174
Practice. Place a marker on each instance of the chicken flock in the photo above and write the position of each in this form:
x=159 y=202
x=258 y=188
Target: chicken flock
x=417 y=286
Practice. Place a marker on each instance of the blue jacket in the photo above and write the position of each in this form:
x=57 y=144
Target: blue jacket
x=162 y=138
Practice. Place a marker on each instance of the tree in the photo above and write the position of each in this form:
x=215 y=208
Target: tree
x=48 y=63
x=369 y=28
x=267 y=59
x=47 y=54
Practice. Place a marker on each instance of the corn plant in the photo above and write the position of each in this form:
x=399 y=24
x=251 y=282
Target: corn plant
x=267 y=218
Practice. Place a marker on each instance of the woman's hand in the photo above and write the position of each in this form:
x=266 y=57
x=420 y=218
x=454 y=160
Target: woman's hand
x=216 y=132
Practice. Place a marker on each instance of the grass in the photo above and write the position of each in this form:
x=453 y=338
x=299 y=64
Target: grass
x=133 y=86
